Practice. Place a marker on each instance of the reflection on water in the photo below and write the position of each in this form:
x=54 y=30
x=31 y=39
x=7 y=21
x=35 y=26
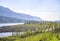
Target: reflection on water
x=8 y=34
x=5 y=34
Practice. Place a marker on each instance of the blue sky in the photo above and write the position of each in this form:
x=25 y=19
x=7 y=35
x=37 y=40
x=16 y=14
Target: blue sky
x=45 y=9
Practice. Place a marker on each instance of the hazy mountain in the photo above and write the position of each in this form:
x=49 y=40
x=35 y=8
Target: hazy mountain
x=7 y=15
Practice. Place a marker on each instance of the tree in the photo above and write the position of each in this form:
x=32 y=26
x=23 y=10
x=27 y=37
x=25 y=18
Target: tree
x=16 y=30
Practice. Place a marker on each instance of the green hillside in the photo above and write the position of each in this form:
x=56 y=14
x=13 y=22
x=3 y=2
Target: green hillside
x=44 y=31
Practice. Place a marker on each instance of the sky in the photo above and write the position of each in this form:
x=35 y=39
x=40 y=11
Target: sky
x=48 y=10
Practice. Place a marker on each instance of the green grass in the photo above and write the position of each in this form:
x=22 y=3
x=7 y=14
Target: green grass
x=46 y=36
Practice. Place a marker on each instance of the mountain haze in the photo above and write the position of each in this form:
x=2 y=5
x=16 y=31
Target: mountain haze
x=7 y=15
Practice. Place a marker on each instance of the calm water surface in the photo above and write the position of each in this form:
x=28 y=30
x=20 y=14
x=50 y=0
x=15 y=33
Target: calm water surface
x=5 y=34
x=8 y=33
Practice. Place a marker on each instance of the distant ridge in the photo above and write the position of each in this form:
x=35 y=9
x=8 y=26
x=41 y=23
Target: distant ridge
x=7 y=15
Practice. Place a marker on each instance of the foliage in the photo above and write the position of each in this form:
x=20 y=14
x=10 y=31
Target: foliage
x=40 y=34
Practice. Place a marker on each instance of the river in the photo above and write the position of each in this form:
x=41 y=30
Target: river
x=4 y=34
x=10 y=24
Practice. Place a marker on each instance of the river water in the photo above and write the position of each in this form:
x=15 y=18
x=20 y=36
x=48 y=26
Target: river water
x=8 y=33
x=10 y=24
x=5 y=34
